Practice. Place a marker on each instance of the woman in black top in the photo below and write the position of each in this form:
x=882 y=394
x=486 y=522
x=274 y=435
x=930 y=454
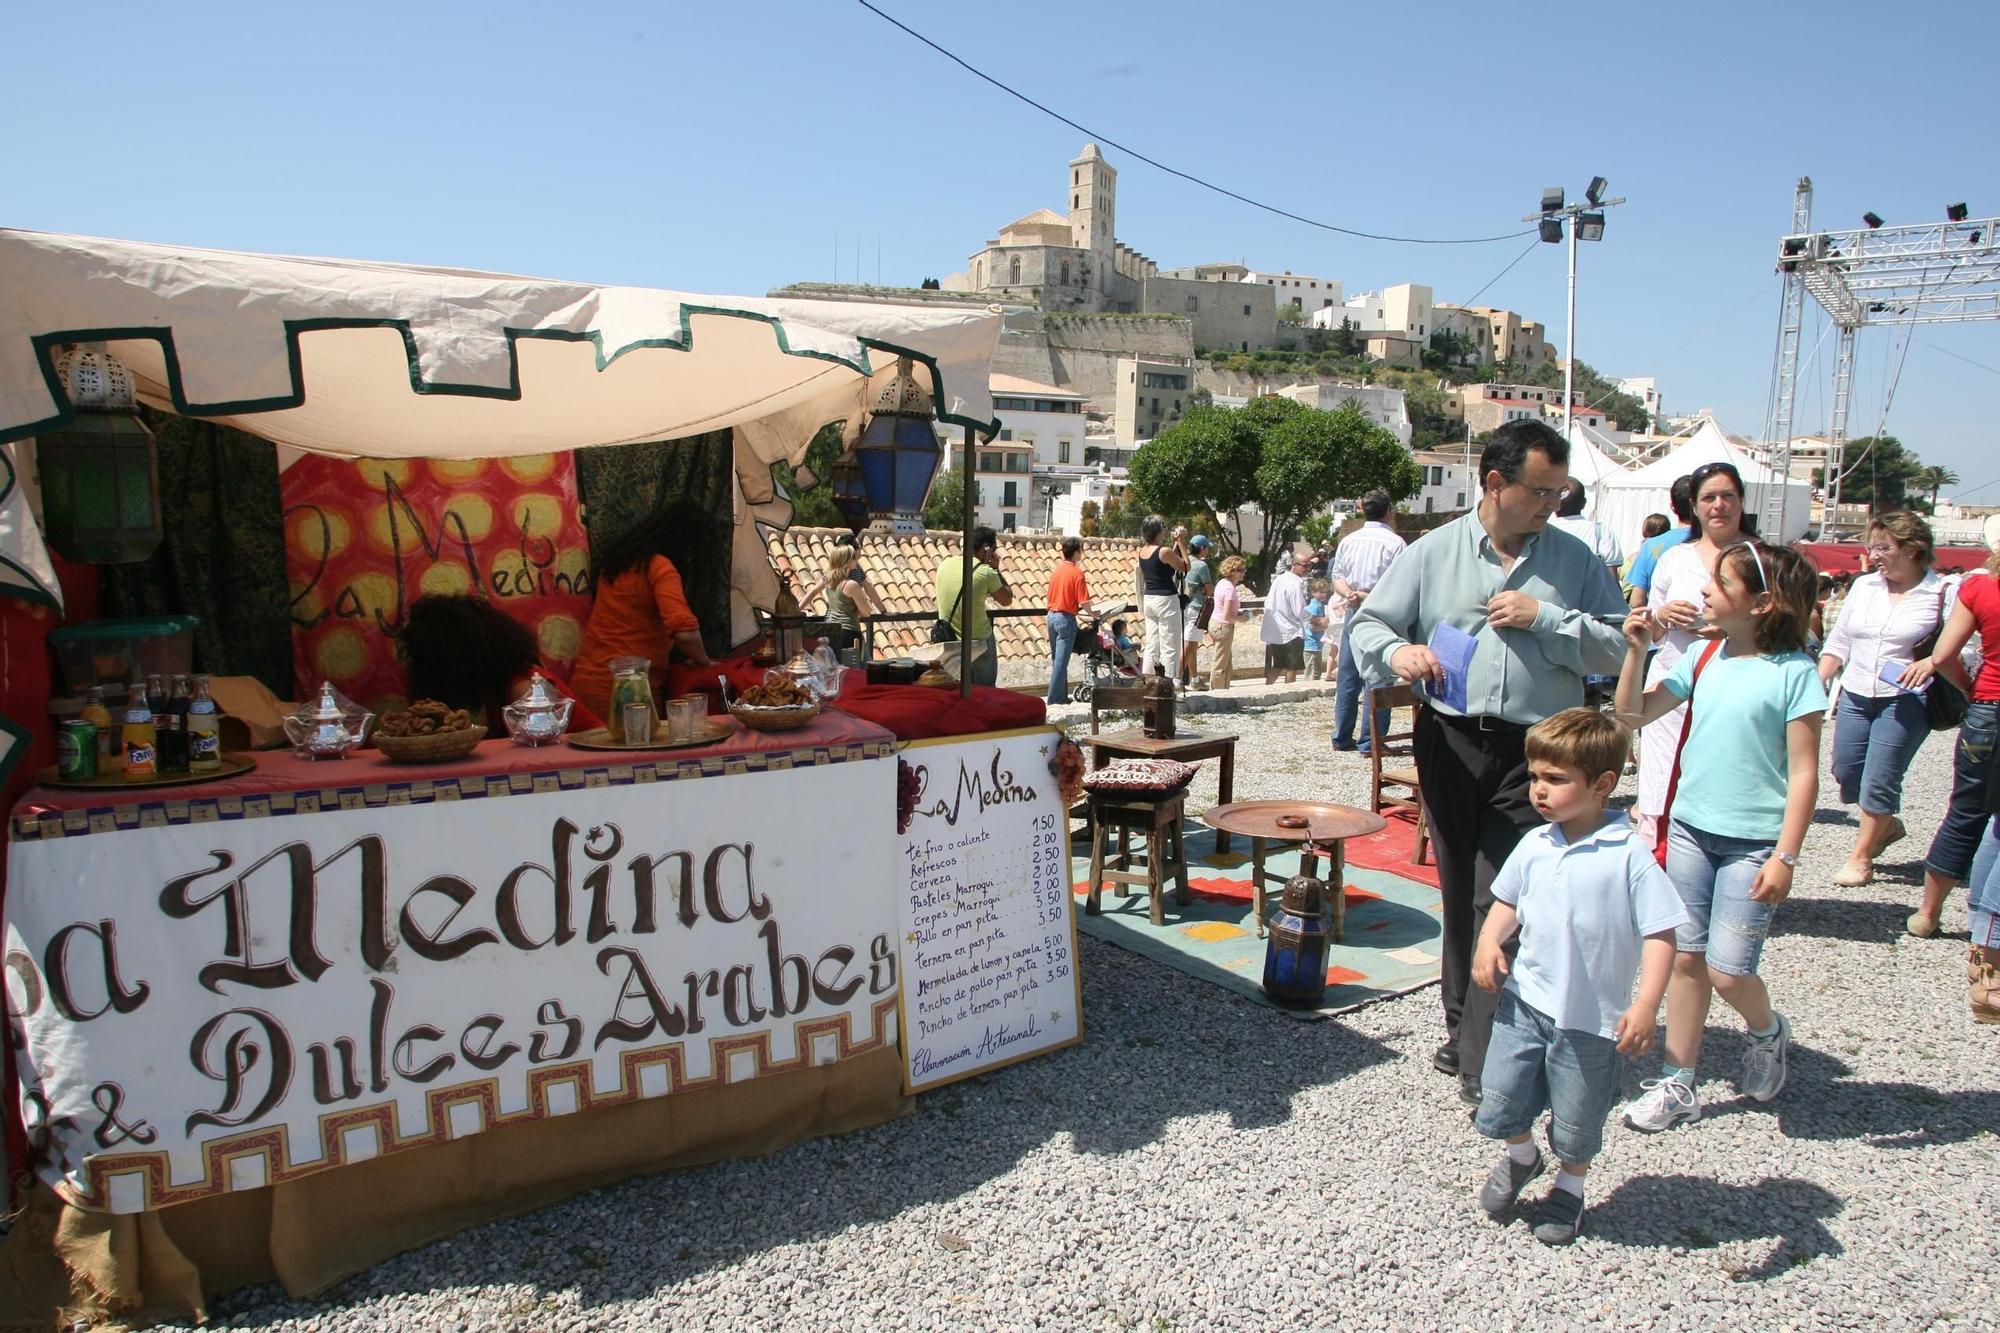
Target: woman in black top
x=1160 y=568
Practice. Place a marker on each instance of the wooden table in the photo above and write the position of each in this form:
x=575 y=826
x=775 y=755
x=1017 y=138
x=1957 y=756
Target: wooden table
x=1328 y=826
x=1186 y=746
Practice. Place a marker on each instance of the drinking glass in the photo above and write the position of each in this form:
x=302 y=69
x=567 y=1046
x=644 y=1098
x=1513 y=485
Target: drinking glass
x=636 y=720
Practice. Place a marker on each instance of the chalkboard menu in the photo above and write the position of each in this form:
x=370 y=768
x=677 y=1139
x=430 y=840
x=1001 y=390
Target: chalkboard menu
x=988 y=927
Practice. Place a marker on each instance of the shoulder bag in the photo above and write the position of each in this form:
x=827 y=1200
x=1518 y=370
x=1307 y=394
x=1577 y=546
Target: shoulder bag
x=942 y=629
x=1674 y=778
x=1944 y=702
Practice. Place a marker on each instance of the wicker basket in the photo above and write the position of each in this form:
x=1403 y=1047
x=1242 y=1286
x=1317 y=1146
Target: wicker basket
x=436 y=748
x=774 y=719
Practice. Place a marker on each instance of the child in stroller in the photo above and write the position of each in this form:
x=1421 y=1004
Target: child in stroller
x=1111 y=653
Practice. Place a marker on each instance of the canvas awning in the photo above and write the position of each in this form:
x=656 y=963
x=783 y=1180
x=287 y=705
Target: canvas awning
x=385 y=360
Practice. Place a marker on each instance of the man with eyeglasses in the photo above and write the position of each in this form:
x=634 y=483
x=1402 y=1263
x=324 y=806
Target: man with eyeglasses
x=1544 y=612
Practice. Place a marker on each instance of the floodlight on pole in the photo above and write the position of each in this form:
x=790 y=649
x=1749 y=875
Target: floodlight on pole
x=1552 y=199
x=1873 y=220
x=1956 y=213
x=1552 y=230
x=1590 y=226
x=1594 y=192
x=1586 y=223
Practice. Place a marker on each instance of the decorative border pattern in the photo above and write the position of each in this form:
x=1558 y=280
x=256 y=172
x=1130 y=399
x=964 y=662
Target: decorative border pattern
x=83 y=821
x=139 y=1182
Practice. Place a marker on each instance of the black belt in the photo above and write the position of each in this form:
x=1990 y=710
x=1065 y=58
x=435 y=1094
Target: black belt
x=1480 y=722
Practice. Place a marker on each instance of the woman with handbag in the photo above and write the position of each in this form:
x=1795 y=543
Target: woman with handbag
x=1973 y=792
x=1889 y=620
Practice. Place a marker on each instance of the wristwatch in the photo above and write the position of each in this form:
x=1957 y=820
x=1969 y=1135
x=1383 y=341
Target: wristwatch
x=1791 y=859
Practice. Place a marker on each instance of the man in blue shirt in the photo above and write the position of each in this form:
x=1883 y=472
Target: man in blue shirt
x=1639 y=578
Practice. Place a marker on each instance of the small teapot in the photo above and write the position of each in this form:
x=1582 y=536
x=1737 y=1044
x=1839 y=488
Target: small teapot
x=540 y=716
x=329 y=728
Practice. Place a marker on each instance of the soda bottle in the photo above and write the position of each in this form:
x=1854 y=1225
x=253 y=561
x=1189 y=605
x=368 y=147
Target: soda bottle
x=156 y=696
x=172 y=724
x=141 y=738
x=110 y=752
x=204 y=730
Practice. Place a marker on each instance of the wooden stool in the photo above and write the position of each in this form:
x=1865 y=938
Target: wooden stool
x=1157 y=820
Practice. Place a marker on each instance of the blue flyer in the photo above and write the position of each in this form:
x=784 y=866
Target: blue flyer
x=1453 y=648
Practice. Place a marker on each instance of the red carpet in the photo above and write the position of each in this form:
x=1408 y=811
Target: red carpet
x=1390 y=850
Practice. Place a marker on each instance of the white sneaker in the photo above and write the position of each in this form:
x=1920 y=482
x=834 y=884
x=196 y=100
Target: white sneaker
x=1664 y=1103
x=1764 y=1061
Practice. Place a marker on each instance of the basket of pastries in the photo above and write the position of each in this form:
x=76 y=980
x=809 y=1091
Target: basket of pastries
x=428 y=732
x=779 y=704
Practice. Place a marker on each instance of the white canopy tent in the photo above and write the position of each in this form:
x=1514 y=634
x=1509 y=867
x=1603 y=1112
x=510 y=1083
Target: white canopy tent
x=381 y=360
x=1629 y=497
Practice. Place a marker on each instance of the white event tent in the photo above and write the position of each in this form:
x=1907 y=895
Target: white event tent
x=381 y=360
x=1625 y=500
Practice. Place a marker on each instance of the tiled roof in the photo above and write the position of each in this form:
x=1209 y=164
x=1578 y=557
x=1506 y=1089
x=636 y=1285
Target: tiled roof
x=903 y=572
x=1013 y=386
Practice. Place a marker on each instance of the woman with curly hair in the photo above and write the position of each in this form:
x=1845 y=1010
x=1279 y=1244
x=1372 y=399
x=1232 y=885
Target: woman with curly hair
x=641 y=609
x=468 y=653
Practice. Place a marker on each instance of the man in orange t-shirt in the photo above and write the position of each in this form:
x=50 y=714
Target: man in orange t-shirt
x=1067 y=595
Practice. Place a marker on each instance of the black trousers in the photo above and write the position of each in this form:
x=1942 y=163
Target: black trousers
x=1475 y=786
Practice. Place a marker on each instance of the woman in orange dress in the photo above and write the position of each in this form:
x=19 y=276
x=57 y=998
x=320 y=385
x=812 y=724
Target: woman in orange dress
x=640 y=610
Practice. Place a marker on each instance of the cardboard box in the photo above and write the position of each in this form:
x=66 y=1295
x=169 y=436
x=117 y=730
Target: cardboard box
x=253 y=717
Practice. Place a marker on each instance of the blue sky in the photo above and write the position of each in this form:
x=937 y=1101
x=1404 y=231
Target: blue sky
x=723 y=148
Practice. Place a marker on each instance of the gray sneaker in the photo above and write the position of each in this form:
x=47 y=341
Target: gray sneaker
x=1764 y=1061
x=1504 y=1186
x=1558 y=1218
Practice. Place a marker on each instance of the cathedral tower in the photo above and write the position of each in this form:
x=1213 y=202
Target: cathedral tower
x=1093 y=190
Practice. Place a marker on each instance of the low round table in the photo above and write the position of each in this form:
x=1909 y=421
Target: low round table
x=1327 y=827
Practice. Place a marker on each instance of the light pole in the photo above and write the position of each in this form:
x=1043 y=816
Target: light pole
x=1586 y=223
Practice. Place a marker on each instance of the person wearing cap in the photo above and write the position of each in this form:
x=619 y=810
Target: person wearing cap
x=1199 y=584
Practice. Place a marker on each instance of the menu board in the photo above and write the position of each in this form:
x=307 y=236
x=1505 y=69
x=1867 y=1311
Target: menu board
x=988 y=922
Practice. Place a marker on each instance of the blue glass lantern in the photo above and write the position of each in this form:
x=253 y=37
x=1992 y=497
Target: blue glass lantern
x=899 y=454
x=100 y=474
x=850 y=497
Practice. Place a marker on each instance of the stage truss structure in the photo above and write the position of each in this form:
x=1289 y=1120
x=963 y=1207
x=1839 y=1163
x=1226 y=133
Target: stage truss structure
x=1931 y=273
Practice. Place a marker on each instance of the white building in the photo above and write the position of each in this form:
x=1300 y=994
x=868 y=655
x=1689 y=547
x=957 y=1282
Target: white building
x=1047 y=419
x=1151 y=395
x=1312 y=294
x=1066 y=510
x=1003 y=473
x=1380 y=403
x=1447 y=487
x=1647 y=390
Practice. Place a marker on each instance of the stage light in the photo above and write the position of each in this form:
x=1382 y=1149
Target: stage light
x=1956 y=213
x=1590 y=226
x=1595 y=192
x=1872 y=220
x=1552 y=230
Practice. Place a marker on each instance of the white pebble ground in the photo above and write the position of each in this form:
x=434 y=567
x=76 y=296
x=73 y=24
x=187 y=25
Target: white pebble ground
x=1202 y=1162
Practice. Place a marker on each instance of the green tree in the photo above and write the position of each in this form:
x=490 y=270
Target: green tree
x=1289 y=460
x=1120 y=517
x=1880 y=473
x=813 y=507
x=1935 y=479
x=1089 y=520
x=1292 y=314
x=1343 y=342
x=1317 y=529
x=1597 y=392
x=944 y=507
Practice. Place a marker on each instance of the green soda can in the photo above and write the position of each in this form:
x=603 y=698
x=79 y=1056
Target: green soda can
x=76 y=750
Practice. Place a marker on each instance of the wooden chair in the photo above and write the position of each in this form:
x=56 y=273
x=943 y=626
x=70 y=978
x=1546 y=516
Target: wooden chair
x=1113 y=698
x=1392 y=763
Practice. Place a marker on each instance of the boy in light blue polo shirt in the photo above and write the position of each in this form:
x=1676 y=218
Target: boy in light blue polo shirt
x=1594 y=911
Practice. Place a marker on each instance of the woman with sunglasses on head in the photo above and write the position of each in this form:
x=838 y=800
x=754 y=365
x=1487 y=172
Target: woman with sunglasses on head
x=1749 y=782
x=1878 y=725
x=1675 y=604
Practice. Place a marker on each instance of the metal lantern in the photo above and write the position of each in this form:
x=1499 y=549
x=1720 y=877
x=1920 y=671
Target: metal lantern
x=100 y=475
x=899 y=454
x=850 y=497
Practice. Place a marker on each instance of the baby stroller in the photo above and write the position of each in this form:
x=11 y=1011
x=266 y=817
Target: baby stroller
x=1095 y=642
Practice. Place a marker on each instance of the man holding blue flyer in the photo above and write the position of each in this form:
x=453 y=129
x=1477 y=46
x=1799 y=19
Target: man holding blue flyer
x=1498 y=618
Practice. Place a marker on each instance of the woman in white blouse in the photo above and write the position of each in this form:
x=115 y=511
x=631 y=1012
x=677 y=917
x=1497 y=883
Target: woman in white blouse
x=1878 y=725
x=1675 y=601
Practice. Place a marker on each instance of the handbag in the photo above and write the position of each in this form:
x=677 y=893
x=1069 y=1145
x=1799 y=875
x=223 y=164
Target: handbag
x=1674 y=778
x=942 y=630
x=1944 y=702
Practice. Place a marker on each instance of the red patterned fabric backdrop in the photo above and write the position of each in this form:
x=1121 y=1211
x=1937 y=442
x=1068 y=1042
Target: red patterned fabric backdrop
x=363 y=539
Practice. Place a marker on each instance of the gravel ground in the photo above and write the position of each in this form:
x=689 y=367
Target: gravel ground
x=1202 y=1162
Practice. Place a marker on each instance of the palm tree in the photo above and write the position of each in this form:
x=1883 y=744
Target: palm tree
x=1935 y=479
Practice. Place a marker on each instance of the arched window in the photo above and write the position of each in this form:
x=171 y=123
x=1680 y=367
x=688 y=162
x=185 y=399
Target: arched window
x=1065 y=273
x=1014 y=269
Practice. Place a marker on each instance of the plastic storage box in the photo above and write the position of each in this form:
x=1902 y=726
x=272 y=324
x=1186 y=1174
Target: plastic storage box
x=118 y=652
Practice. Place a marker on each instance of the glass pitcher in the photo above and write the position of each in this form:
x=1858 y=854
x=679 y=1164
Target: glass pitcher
x=632 y=687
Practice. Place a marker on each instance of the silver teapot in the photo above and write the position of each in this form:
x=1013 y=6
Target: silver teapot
x=329 y=728
x=540 y=716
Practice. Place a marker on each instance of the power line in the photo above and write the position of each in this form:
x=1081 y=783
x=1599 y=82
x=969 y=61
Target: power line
x=1976 y=365
x=1175 y=171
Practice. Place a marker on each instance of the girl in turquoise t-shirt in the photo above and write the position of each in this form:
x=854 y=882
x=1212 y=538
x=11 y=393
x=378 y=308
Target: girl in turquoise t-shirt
x=1748 y=783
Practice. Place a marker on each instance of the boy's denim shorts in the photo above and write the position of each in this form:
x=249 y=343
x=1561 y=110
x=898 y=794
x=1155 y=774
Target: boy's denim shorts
x=1713 y=875
x=1534 y=1066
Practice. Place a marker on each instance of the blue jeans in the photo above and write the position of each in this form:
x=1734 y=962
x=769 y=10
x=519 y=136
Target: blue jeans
x=1874 y=741
x=1534 y=1066
x=1984 y=890
x=986 y=667
x=1965 y=821
x=1713 y=876
x=1347 y=697
x=1062 y=642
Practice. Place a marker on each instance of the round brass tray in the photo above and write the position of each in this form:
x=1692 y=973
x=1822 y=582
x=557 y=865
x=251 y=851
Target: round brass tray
x=233 y=765
x=599 y=738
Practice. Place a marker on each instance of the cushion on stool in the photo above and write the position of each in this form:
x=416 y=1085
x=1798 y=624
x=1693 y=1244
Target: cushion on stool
x=1140 y=776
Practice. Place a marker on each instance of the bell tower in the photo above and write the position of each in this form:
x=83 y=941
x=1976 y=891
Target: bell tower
x=1093 y=191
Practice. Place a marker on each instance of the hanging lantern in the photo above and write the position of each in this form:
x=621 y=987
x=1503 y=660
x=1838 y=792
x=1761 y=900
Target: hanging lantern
x=850 y=497
x=899 y=454
x=100 y=474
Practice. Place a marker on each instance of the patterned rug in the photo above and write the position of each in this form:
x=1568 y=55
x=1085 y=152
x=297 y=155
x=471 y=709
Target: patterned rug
x=1392 y=932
